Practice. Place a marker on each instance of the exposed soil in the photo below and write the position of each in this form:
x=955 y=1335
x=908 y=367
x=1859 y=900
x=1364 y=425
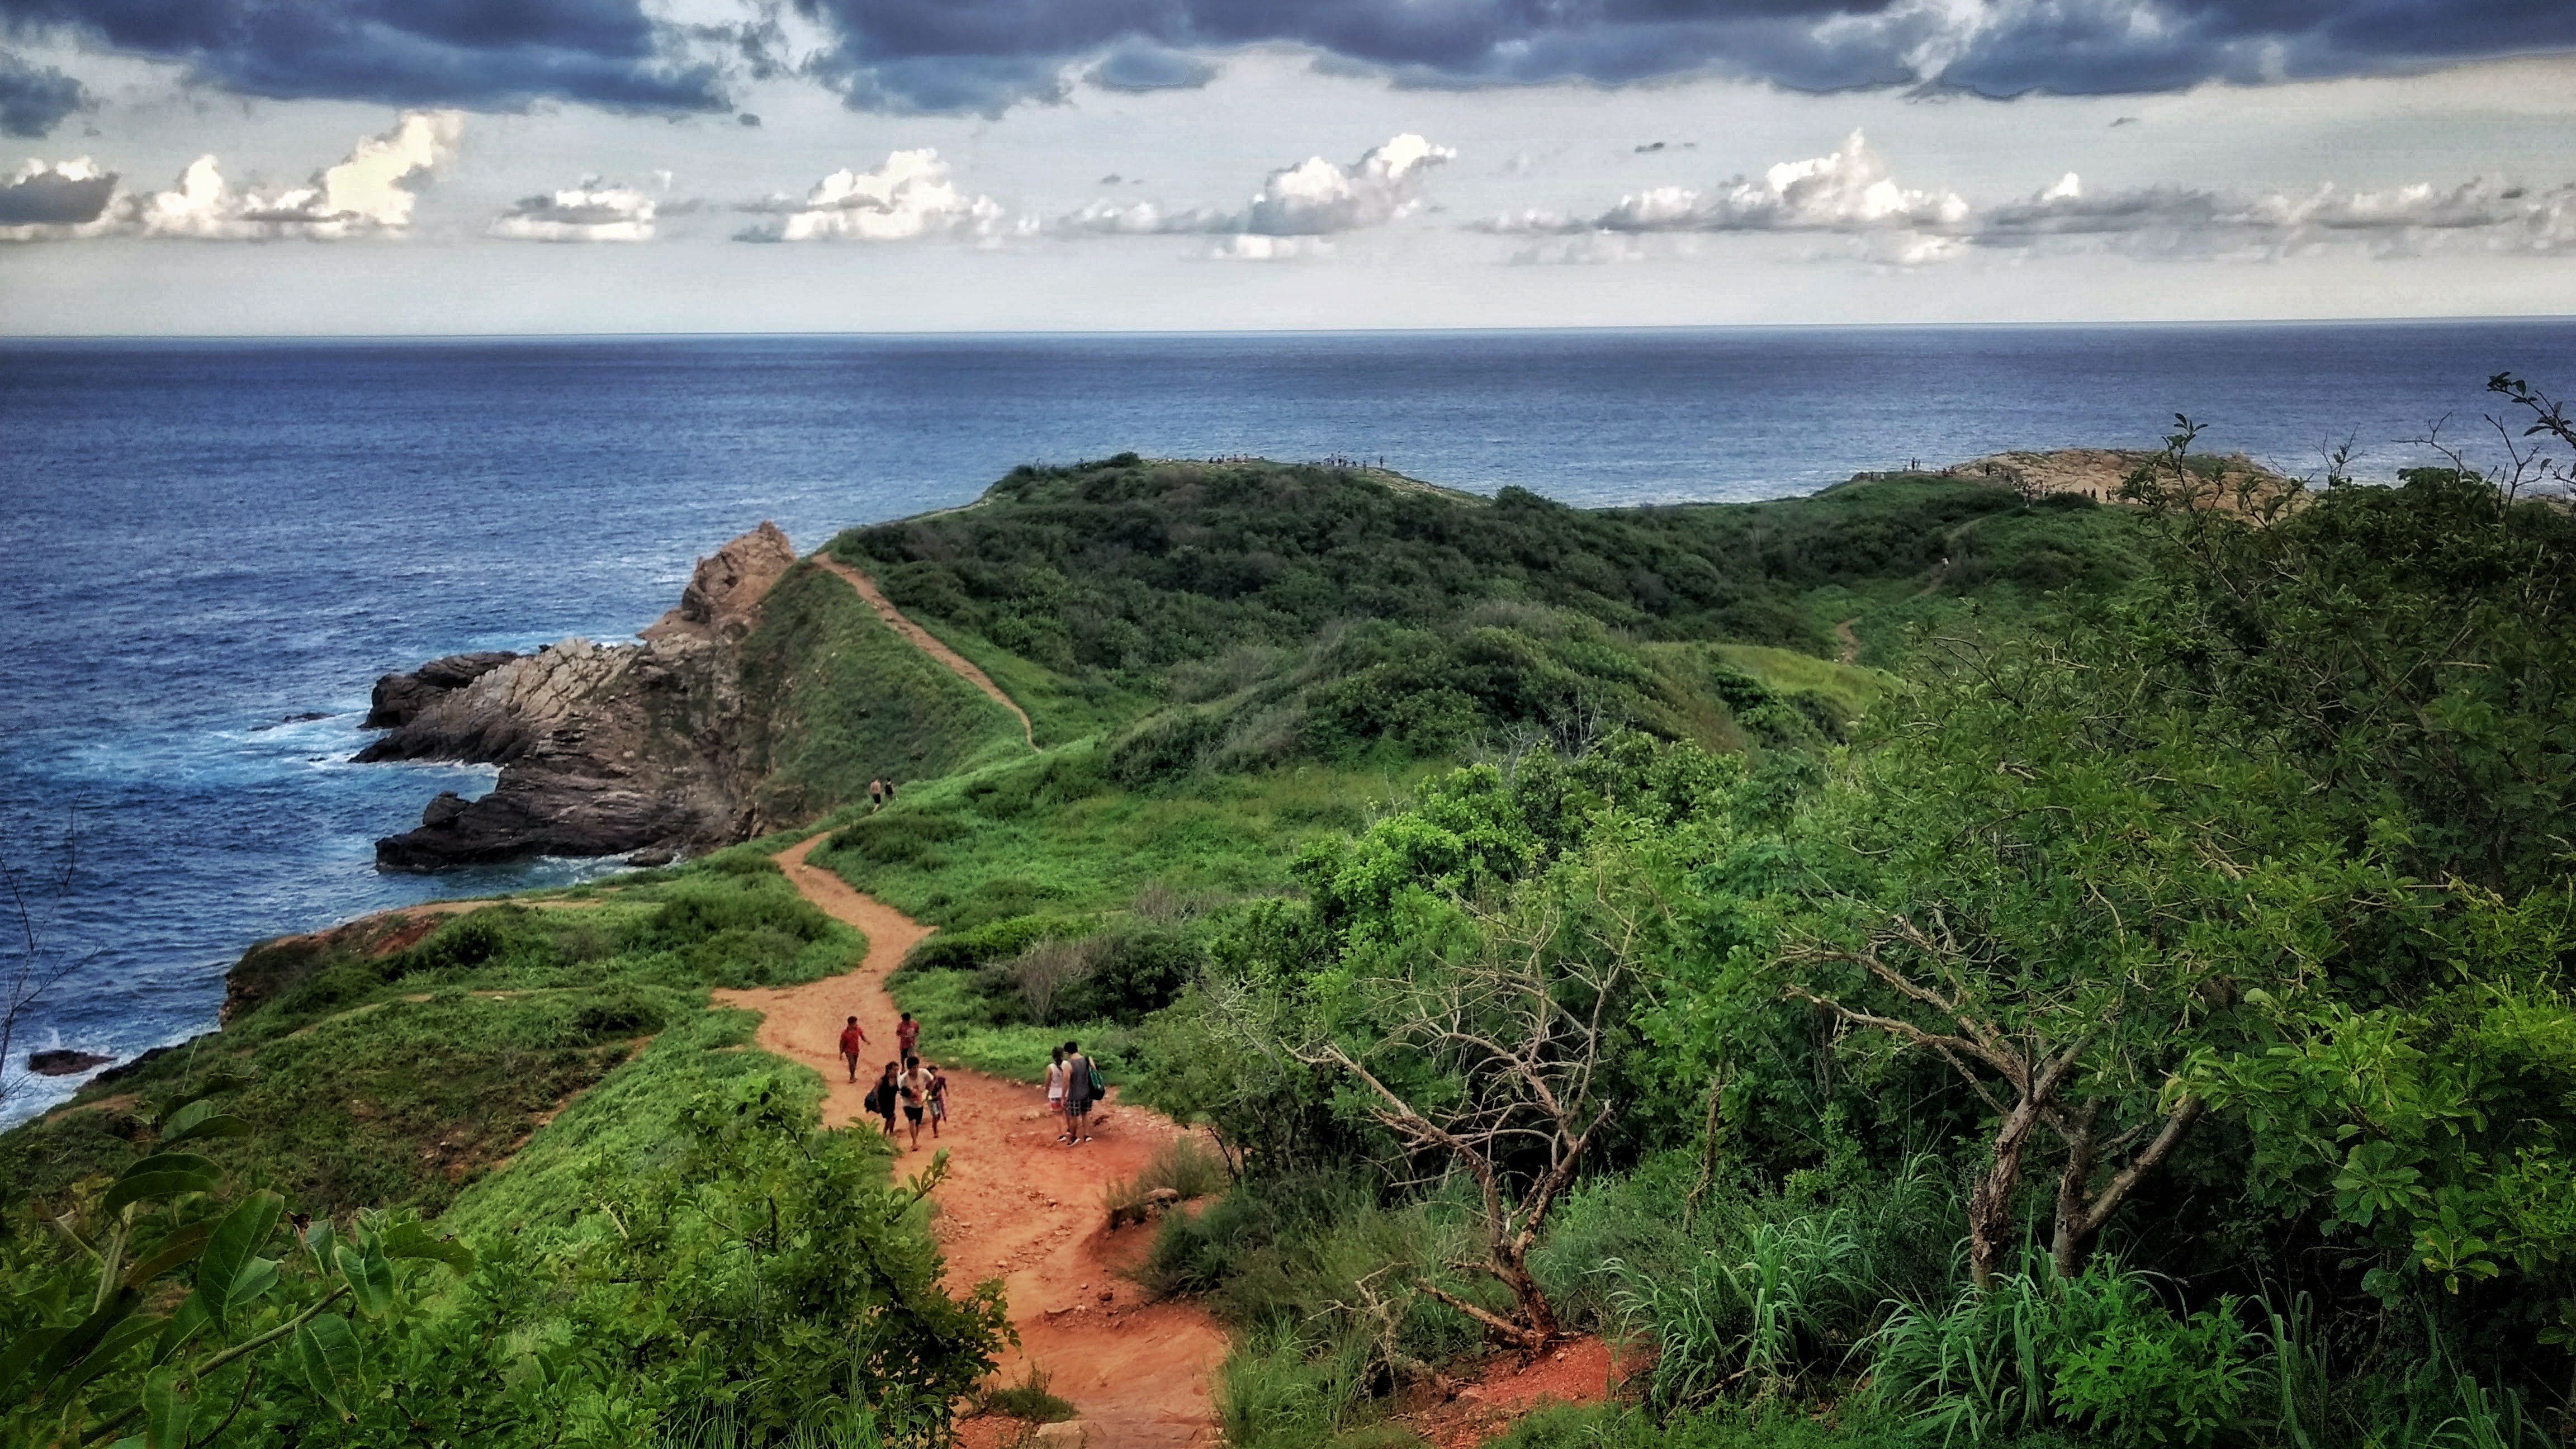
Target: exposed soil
x=1581 y=1371
x=926 y=642
x=1849 y=640
x=1016 y=1206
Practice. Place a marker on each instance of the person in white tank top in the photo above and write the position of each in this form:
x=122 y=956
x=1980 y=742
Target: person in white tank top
x=1055 y=1082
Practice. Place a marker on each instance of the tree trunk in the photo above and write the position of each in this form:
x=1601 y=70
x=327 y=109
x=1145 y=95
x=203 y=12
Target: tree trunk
x=1526 y=1297
x=2074 y=1189
x=1990 y=1224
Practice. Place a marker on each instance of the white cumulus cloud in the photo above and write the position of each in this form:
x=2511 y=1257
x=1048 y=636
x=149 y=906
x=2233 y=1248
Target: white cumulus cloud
x=1314 y=198
x=370 y=192
x=2186 y=220
x=589 y=212
x=909 y=196
x=1850 y=190
x=56 y=202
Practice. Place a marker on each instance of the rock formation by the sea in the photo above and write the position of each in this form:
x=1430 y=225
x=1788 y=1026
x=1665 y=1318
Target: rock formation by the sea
x=603 y=749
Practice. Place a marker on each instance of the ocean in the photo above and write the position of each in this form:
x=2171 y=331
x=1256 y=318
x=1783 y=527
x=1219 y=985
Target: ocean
x=212 y=549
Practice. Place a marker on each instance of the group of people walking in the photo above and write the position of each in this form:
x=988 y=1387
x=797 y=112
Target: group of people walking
x=917 y=1087
x=1073 y=1088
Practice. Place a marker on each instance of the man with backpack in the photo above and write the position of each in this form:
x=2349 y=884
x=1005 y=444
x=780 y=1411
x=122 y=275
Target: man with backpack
x=1083 y=1088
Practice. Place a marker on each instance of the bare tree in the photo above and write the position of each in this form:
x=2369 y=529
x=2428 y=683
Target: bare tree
x=2029 y=1045
x=1509 y=1044
x=31 y=968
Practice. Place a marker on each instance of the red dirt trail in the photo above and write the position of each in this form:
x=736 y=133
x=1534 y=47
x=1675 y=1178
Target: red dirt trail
x=1016 y=1206
x=923 y=640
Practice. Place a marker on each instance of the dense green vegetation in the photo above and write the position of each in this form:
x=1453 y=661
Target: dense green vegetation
x=1911 y=965
x=678 y=1256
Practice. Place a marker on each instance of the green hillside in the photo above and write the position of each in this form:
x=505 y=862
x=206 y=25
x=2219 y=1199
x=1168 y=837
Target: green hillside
x=1913 y=964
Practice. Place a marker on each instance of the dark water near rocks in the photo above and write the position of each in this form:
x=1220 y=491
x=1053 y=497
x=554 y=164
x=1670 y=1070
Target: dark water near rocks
x=212 y=549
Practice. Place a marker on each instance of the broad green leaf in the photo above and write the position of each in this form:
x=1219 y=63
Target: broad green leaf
x=114 y=1345
x=76 y=1345
x=250 y=1285
x=327 y=1352
x=162 y=1175
x=187 y=1323
x=411 y=1240
x=234 y=1247
x=22 y=1353
x=370 y=1277
x=179 y=1248
x=200 y=1120
x=165 y=1413
x=214 y=1085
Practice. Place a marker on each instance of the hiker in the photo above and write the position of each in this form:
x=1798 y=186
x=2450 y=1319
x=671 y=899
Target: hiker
x=1081 y=1089
x=938 y=1099
x=914 y=1084
x=881 y=1098
x=907 y=1037
x=1055 y=1082
x=853 y=1037
x=876 y=793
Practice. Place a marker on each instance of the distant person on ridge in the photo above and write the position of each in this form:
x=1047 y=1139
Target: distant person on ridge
x=907 y=1037
x=876 y=793
x=853 y=1037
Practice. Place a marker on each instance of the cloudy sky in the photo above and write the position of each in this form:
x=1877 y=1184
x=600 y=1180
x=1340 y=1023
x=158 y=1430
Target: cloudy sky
x=405 y=166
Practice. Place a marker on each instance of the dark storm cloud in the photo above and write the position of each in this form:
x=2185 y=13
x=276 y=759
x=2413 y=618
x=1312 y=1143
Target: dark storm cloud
x=959 y=55
x=48 y=197
x=34 y=100
x=470 y=53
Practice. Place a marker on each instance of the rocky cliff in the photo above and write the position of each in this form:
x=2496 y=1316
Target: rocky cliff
x=603 y=749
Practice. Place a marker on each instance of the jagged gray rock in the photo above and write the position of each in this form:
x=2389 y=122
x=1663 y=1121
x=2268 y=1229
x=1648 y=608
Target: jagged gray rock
x=604 y=749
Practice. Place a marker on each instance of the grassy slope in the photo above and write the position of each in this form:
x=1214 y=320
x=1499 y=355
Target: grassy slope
x=843 y=699
x=404 y=1078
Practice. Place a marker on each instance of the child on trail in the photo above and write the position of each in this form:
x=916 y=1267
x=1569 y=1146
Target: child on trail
x=1055 y=1082
x=882 y=1097
x=1079 y=1092
x=915 y=1087
x=853 y=1037
x=907 y=1036
x=938 y=1099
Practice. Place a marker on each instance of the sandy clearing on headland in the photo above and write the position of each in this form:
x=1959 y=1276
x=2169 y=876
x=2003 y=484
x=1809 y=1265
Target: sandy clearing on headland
x=1016 y=1205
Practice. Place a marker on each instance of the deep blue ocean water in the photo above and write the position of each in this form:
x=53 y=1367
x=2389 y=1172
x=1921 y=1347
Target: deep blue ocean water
x=202 y=542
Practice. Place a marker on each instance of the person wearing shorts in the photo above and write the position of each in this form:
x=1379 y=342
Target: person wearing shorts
x=938 y=1095
x=907 y=1038
x=1055 y=1082
x=853 y=1037
x=914 y=1087
x=1077 y=1095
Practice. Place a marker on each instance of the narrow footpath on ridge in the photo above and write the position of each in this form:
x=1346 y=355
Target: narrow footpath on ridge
x=1017 y=1205
x=927 y=643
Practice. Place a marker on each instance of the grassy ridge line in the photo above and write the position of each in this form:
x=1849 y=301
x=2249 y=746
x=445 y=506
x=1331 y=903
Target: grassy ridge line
x=837 y=699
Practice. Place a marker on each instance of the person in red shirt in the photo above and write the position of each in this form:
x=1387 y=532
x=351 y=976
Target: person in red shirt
x=907 y=1034
x=853 y=1037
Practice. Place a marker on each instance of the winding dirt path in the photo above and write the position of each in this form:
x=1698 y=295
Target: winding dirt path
x=1850 y=640
x=924 y=641
x=1016 y=1206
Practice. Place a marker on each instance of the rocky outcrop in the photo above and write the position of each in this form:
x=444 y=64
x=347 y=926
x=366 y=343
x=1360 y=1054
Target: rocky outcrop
x=604 y=749
x=400 y=698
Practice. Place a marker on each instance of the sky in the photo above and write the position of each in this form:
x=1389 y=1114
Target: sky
x=337 y=167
